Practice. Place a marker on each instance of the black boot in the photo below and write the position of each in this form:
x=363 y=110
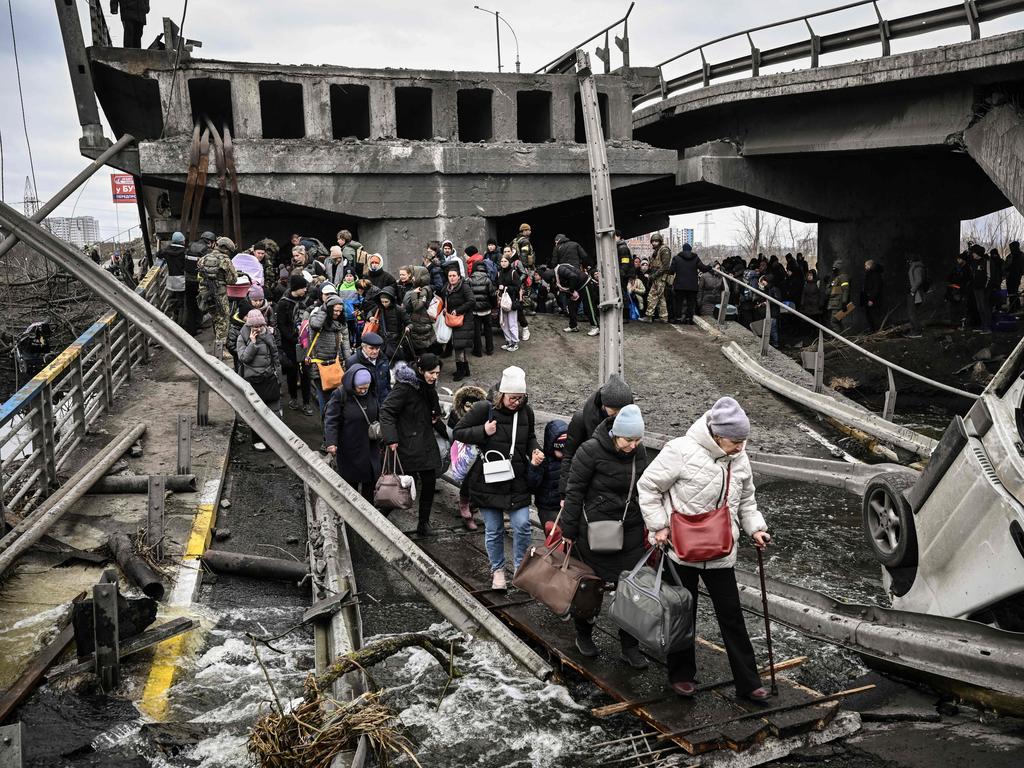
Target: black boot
x=465 y=370
x=460 y=372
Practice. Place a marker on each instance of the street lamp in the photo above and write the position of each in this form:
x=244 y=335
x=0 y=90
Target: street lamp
x=497 y=34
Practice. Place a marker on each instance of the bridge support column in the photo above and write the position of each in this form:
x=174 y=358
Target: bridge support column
x=996 y=142
x=888 y=240
x=401 y=241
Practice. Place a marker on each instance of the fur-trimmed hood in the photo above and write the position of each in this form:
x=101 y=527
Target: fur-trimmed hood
x=464 y=398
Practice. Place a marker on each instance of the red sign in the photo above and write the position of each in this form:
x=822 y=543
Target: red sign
x=123 y=187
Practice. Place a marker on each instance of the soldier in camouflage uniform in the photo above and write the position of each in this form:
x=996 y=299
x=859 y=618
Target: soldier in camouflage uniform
x=523 y=248
x=838 y=296
x=661 y=276
x=216 y=272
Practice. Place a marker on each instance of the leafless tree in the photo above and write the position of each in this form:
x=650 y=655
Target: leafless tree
x=997 y=230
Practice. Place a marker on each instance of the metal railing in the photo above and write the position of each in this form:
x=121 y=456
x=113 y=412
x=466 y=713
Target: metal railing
x=969 y=13
x=567 y=61
x=44 y=421
x=818 y=360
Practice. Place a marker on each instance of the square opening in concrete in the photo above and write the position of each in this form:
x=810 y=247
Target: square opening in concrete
x=281 y=110
x=350 y=111
x=533 y=116
x=211 y=98
x=602 y=108
x=413 y=116
x=476 y=122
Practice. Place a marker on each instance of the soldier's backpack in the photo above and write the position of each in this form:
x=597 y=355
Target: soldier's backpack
x=210 y=270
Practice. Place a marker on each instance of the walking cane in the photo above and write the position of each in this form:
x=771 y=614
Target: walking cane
x=767 y=623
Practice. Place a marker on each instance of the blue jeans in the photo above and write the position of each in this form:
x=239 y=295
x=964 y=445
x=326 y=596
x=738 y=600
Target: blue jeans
x=494 y=537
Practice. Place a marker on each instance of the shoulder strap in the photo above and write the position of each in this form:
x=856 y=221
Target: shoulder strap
x=629 y=492
x=725 y=485
x=363 y=410
x=515 y=427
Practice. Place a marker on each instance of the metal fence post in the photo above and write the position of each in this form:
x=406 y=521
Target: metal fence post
x=127 y=331
x=155 y=521
x=78 y=394
x=889 y=408
x=203 y=404
x=105 y=631
x=724 y=305
x=143 y=347
x=819 y=364
x=107 y=366
x=766 y=329
x=45 y=441
x=184 y=444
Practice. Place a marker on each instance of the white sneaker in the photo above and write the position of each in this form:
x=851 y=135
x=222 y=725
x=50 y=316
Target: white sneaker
x=513 y=348
x=505 y=346
x=526 y=334
x=498 y=580
x=571 y=330
x=593 y=332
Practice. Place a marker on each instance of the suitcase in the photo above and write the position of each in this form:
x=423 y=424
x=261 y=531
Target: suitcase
x=567 y=586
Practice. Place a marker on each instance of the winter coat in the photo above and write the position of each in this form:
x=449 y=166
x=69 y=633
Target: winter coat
x=416 y=303
x=335 y=270
x=483 y=289
x=131 y=10
x=689 y=476
x=661 y=262
x=236 y=320
x=622 y=252
x=838 y=292
x=459 y=301
x=346 y=421
x=874 y=287
x=568 y=278
x=581 y=429
x=258 y=358
x=685 y=266
x=545 y=478
x=174 y=256
x=328 y=337
x=392 y=322
x=464 y=399
x=381 y=372
x=709 y=291
x=407 y=418
x=510 y=281
x=510 y=494
x=288 y=310
x=810 y=299
x=1014 y=265
x=437 y=281
x=380 y=278
x=792 y=286
x=599 y=484
x=570 y=252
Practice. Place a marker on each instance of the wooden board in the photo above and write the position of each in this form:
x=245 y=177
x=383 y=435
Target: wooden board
x=464 y=557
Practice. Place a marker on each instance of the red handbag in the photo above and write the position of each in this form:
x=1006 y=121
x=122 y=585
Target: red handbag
x=703 y=537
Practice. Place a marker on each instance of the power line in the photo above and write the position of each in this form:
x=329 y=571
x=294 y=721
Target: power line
x=21 y=97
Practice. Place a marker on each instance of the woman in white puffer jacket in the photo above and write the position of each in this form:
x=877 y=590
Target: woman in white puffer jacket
x=690 y=476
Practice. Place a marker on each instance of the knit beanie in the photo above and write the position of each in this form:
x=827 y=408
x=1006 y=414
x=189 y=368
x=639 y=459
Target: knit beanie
x=629 y=423
x=727 y=419
x=362 y=378
x=297 y=282
x=256 y=292
x=327 y=289
x=177 y=238
x=513 y=381
x=254 y=318
x=616 y=392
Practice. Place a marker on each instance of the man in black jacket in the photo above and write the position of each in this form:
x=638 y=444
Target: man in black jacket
x=626 y=272
x=133 y=19
x=605 y=402
x=1014 y=272
x=174 y=256
x=570 y=252
x=289 y=310
x=578 y=287
x=193 y=318
x=872 y=295
x=685 y=266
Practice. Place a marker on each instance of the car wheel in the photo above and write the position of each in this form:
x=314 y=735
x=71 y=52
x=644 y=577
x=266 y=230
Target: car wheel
x=888 y=521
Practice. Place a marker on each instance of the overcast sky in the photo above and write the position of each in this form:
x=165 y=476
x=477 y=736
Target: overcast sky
x=441 y=34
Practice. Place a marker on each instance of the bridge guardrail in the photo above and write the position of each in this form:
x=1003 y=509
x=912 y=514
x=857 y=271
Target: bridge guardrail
x=43 y=422
x=970 y=13
x=819 y=353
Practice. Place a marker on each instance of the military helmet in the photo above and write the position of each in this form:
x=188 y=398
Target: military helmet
x=208 y=236
x=226 y=243
x=657 y=238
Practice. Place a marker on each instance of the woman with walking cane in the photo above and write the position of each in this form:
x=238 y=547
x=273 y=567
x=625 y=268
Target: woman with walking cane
x=696 y=495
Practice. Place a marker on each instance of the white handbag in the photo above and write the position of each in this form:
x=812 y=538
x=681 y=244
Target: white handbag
x=500 y=470
x=505 y=302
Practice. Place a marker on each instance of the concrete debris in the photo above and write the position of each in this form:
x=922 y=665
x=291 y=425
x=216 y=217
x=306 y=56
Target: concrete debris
x=985 y=354
x=225 y=503
x=222 y=534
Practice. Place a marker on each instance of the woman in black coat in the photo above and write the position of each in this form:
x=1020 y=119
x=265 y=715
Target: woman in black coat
x=392 y=321
x=602 y=486
x=490 y=424
x=350 y=411
x=407 y=421
x=459 y=300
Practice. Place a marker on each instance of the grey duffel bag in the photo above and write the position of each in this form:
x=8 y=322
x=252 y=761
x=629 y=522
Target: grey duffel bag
x=657 y=614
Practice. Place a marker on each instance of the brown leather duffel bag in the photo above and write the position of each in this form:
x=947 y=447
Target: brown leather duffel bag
x=564 y=584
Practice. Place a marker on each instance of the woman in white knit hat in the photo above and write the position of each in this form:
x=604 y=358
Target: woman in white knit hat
x=705 y=470
x=503 y=428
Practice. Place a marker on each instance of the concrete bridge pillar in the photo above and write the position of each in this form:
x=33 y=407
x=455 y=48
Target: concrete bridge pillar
x=402 y=241
x=888 y=240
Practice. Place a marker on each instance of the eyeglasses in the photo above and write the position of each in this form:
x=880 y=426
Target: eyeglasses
x=515 y=398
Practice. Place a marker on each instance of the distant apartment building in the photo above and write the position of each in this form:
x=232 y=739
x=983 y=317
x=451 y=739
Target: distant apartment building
x=77 y=230
x=675 y=238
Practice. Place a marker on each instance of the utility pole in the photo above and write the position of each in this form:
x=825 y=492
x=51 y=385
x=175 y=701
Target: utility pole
x=610 y=359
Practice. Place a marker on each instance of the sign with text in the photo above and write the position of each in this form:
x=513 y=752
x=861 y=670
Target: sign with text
x=123 y=187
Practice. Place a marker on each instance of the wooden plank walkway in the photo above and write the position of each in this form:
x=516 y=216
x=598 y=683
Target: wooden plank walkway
x=463 y=556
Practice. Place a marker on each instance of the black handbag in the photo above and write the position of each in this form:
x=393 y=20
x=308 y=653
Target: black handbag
x=267 y=386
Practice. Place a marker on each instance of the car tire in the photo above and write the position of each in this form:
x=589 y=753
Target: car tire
x=888 y=521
